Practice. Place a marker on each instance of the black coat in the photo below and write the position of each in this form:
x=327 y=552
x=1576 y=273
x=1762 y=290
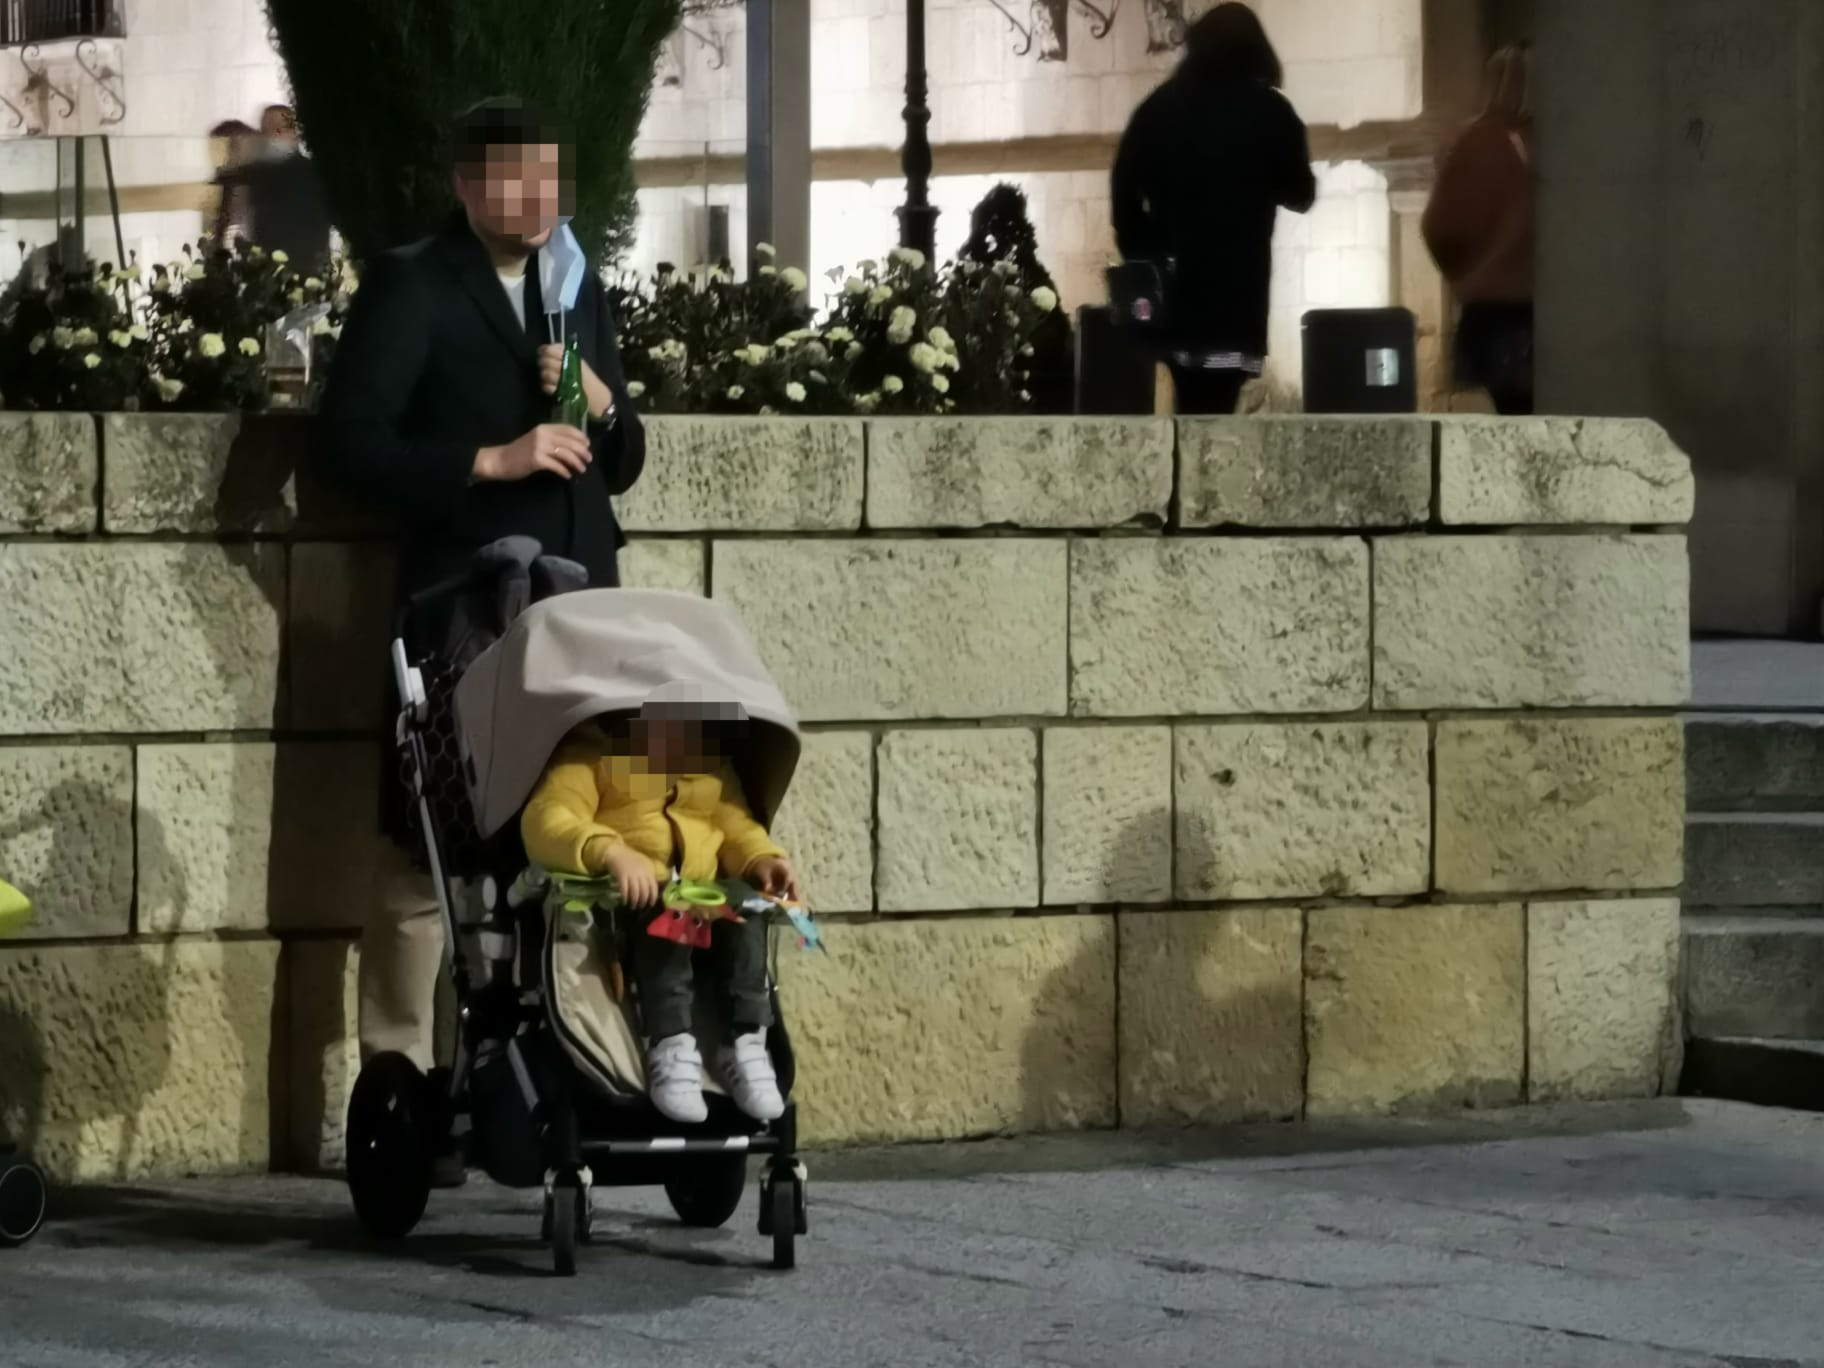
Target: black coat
x=432 y=367
x=1202 y=171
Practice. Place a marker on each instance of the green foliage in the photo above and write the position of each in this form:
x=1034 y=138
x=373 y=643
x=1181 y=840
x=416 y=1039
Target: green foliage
x=376 y=83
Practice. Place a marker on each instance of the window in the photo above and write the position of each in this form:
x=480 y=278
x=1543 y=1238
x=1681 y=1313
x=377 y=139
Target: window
x=48 y=21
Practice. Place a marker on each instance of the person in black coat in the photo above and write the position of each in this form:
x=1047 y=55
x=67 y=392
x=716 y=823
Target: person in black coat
x=1206 y=163
x=438 y=409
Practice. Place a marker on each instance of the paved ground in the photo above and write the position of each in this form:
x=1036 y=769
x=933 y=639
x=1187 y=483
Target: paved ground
x=1659 y=1234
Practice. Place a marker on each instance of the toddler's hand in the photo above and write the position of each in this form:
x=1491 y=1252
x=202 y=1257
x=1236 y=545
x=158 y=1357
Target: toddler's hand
x=632 y=872
x=778 y=879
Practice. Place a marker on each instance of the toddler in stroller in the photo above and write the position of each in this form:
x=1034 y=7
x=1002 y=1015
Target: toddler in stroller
x=649 y=802
x=527 y=726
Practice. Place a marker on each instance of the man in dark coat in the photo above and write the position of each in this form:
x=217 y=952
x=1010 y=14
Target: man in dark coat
x=438 y=408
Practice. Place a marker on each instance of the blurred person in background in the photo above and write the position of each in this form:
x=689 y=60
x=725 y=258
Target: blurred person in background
x=1206 y=164
x=1479 y=228
x=232 y=147
x=287 y=210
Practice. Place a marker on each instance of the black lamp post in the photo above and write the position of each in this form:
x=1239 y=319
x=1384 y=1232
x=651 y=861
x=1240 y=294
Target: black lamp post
x=917 y=219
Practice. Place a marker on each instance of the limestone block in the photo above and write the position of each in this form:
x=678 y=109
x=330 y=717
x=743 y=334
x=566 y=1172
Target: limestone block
x=958 y=820
x=1507 y=471
x=240 y=836
x=129 y=1062
x=931 y=1030
x=49 y=472
x=1218 y=626
x=340 y=633
x=1021 y=472
x=738 y=474
x=1602 y=999
x=223 y=472
x=826 y=823
x=139 y=637
x=1108 y=814
x=1414 y=1008
x=664 y=563
x=1304 y=472
x=1538 y=805
x=1212 y=1027
x=1517 y=622
x=323 y=1054
x=890 y=630
x=1303 y=809
x=66 y=836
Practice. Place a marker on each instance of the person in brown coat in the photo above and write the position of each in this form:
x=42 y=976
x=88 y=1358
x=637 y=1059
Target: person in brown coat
x=1479 y=227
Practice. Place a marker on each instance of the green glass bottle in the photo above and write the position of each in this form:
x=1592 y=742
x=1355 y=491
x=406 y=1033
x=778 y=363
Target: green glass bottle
x=572 y=402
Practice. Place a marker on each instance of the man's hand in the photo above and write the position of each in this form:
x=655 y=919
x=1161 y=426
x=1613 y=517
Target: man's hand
x=777 y=879
x=632 y=871
x=551 y=447
x=551 y=370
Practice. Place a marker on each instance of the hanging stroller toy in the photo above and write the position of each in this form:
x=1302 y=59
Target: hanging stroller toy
x=24 y=1194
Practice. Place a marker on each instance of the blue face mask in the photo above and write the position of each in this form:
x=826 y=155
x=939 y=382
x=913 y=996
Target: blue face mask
x=560 y=270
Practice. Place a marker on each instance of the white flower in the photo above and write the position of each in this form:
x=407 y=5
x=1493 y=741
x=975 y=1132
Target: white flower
x=754 y=354
x=909 y=257
x=923 y=357
x=1015 y=292
x=794 y=277
x=86 y=337
x=1004 y=269
x=185 y=325
x=718 y=276
x=795 y=392
x=62 y=338
x=635 y=389
x=91 y=360
x=139 y=333
x=195 y=272
x=321 y=327
x=255 y=251
x=786 y=343
x=1045 y=299
x=855 y=285
x=940 y=383
x=867 y=403
x=892 y=384
x=312 y=283
x=162 y=285
x=121 y=339
x=37 y=344
x=735 y=391
x=1026 y=350
x=879 y=295
x=278 y=258
x=767 y=410
x=1025 y=397
x=900 y=326
x=855 y=350
x=816 y=353
x=840 y=335
x=249 y=347
x=941 y=339
x=296 y=296
x=769 y=270
x=211 y=345
x=168 y=390
x=817 y=377
x=766 y=250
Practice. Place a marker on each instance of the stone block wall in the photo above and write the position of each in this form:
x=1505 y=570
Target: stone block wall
x=1154 y=773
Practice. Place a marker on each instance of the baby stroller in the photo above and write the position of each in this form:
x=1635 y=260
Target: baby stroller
x=547 y=1083
x=24 y=1195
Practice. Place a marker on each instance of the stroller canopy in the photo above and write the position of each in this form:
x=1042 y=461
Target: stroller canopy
x=576 y=657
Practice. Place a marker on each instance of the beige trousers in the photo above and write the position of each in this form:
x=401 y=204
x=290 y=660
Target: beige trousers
x=405 y=999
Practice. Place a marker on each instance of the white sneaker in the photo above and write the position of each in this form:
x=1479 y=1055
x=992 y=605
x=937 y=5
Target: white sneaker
x=746 y=1071
x=675 y=1080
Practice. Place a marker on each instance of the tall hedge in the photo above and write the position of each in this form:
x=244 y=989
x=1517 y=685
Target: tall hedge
x=375 y=83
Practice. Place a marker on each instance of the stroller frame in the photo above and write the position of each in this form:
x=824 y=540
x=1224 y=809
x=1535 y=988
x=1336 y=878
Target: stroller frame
x=400 y=1121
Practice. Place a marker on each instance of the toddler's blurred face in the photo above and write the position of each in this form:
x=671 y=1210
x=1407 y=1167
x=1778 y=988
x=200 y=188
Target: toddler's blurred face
x=675 y=746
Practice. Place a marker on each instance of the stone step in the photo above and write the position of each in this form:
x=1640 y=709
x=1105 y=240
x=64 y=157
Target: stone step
x=1754 y=976
x=1754 y=762
x=1754 y=859
x=1767 y=1073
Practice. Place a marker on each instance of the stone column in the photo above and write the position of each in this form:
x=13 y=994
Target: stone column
x=779 y=127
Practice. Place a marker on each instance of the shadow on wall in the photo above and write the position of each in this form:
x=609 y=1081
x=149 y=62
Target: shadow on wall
x=91 y=1079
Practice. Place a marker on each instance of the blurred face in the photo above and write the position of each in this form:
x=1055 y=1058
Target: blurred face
x=515 y=198
x=674 y=746
x=280 y=126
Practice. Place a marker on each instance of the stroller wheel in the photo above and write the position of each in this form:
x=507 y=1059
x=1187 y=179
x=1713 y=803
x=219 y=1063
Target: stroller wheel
x=567 y=1217
x=390 y=1143
x=781 y=1198
x=23 y=1198
x=711 y=1193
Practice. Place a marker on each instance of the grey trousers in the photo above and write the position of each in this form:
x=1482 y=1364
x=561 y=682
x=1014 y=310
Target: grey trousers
x=405 y=1000
x=664 y=973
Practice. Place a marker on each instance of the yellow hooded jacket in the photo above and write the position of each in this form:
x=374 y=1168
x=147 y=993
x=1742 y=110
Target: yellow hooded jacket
x=698 y=823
